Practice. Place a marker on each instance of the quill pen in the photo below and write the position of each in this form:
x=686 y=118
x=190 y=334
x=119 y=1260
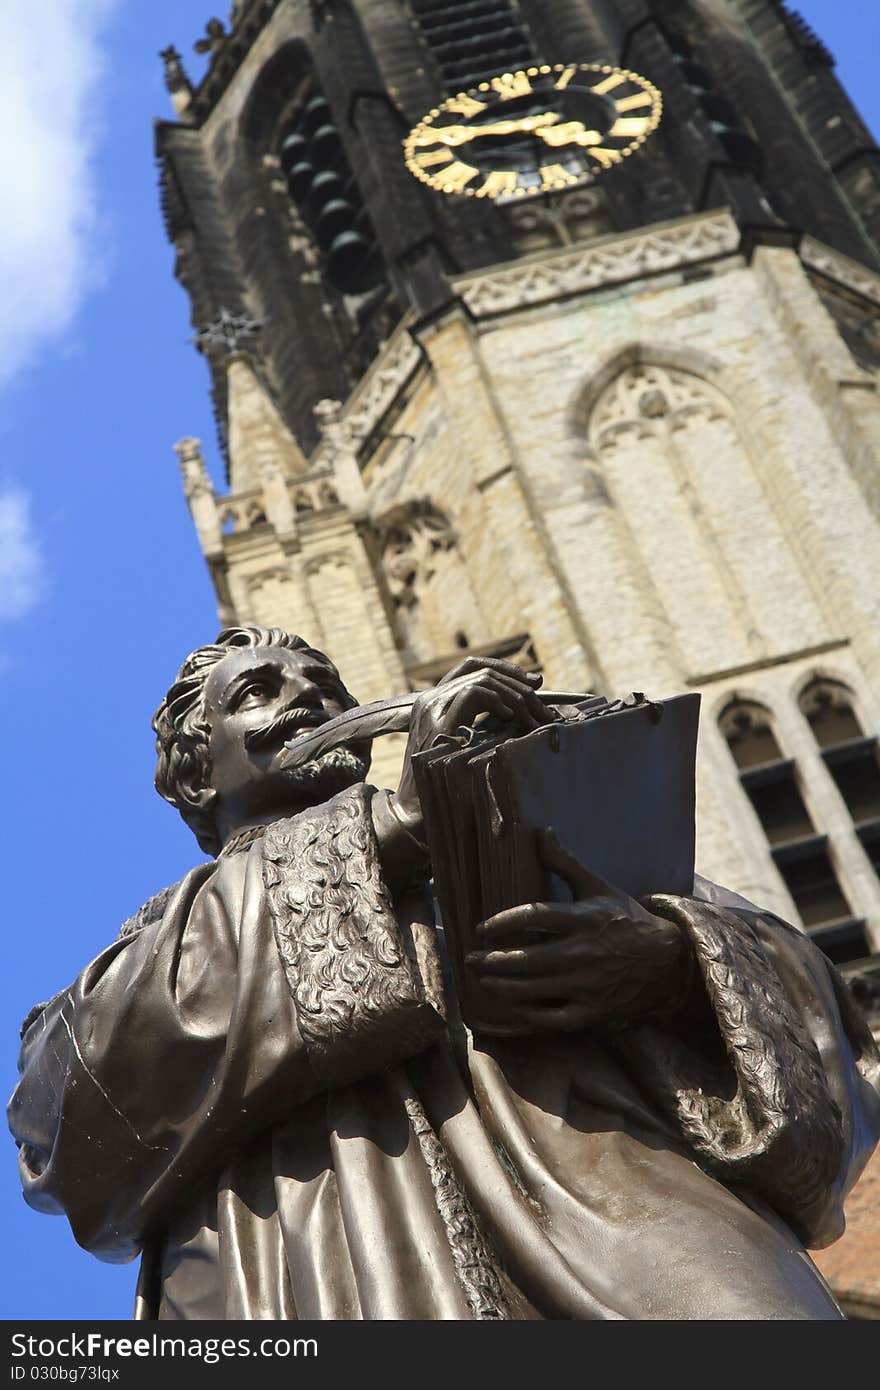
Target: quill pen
x=379 y=718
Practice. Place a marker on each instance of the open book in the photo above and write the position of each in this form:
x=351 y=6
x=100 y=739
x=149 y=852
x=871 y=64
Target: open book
x=616 y=783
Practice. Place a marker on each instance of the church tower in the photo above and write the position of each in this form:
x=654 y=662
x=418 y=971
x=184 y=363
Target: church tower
x=549 y=329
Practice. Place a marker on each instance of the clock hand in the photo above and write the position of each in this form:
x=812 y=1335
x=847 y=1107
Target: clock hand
x=571 y=133
x=461 y=134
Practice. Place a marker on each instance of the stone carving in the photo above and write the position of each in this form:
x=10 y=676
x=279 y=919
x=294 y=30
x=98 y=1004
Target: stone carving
x=315 y=493
x=561 y=218
x=626 y=258
x=264 y=1085
x=411 y=536
x=436 y=607
x=199 y=492
x=215 y=35
x=196 y=482
x=337 y=455
x=648 y=400
x=335 y=427
x=747 y=727
x=242 y=512
x=270 y=574
x=345 y=428
x=832 y=701
x=330 y=564
x=176 y=79
x=227 y=331
x=385 y=381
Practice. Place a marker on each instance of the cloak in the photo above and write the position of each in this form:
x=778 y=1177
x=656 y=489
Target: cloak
x=268 y=1093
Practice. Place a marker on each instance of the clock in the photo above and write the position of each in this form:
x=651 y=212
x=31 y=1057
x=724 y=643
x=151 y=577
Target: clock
x=541 y=130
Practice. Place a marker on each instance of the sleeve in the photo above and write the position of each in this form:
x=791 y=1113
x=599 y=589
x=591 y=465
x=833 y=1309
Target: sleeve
x=776 y=1086
x=184 y=1040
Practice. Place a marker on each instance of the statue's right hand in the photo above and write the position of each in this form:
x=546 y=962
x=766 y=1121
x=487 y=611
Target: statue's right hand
x=476 y=687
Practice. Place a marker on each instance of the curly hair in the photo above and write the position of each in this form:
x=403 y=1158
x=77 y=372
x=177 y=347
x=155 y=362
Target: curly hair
x=182 y=730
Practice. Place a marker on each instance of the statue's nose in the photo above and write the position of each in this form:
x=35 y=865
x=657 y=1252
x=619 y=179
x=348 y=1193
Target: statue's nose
x=307 y=695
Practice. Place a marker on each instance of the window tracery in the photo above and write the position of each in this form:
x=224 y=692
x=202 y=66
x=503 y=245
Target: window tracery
x=412 y=537
x=646 y=400
x=433 y=601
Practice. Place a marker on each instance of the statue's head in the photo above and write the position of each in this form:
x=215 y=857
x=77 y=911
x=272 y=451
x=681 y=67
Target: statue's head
x=221 y=730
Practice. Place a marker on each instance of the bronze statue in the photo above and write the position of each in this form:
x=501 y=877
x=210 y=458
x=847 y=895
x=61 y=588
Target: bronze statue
x=265 y=1087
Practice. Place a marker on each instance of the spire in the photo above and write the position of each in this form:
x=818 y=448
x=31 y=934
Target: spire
x=176 y=80
x=199 y=493
x=261 y=447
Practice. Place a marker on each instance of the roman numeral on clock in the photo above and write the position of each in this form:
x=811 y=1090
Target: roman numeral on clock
x=512 y=84
x=630 y=125
x=555 y=176
x=499 y=182
x=465 y=106
x=457 y=177
x=630 y=103
x=614 y=79
x=429 y=159
x=605 y=157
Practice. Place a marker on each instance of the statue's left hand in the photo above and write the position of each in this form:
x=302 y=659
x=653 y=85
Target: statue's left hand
x=601 y=959
x=478 y=686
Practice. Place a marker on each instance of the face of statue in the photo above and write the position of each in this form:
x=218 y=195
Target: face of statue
x=256 y=700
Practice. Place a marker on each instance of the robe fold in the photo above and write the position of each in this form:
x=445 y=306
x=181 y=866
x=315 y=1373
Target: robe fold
x=268 y=1093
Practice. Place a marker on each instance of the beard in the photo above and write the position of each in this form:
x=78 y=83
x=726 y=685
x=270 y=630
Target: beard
x=332 y=772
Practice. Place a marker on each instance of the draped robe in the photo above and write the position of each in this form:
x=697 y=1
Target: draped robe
x=268 y=1092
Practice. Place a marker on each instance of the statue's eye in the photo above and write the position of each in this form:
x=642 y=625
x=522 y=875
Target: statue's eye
x=253 y=693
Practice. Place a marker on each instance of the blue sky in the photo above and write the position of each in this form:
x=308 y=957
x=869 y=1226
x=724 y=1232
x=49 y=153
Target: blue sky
x=102 y=587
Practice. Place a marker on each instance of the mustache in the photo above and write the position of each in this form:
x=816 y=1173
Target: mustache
x=285 y=725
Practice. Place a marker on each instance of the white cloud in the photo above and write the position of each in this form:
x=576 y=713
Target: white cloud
x=52 y=62
x=22 y=578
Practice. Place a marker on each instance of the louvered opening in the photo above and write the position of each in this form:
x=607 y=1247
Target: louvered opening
x=473 y=40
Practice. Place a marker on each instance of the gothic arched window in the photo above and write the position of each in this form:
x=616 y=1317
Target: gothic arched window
x=827 y=707
x=849 y=754
x=676 y=459
x=799 y=850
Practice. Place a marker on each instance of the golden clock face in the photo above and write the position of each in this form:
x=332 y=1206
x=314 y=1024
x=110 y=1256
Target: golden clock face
x=538 y=131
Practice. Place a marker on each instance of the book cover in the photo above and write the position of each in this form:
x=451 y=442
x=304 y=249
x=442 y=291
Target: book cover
x=617 y=786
